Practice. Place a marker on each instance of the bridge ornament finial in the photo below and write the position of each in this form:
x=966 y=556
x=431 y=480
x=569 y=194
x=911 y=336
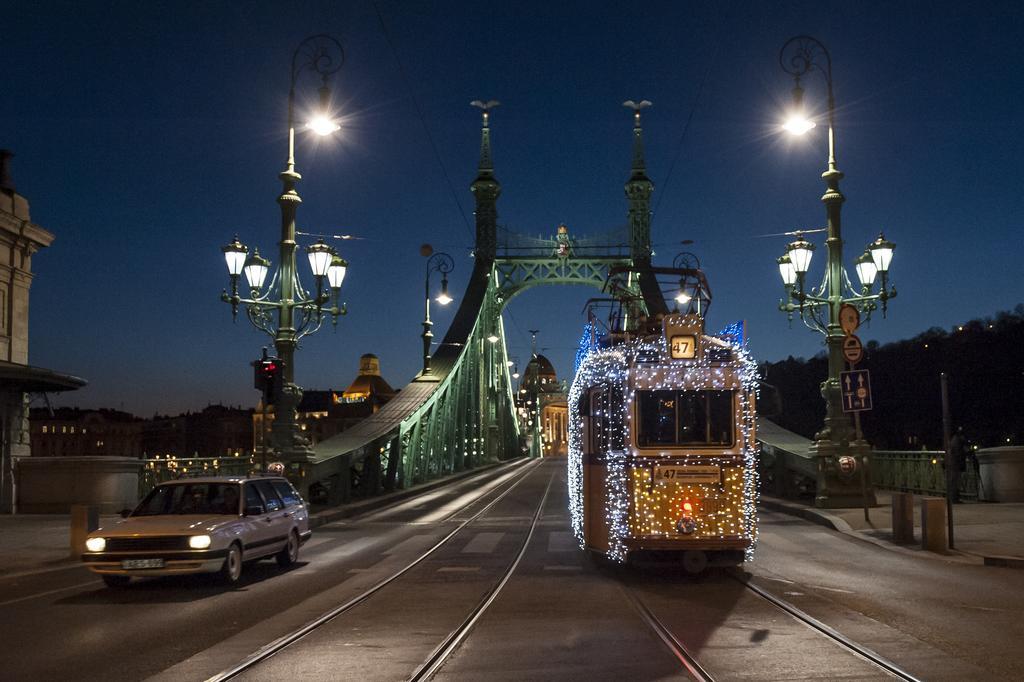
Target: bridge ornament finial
x=486 y=164
x=486 y=189
x=639 y=167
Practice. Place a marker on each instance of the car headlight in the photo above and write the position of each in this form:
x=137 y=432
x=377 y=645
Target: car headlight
x=96 y=544
x=199 y=541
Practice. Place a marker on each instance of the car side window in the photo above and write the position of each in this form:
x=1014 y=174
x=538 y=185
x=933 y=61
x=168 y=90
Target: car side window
x=274 y=502
x=252 y=496
x=287 y=492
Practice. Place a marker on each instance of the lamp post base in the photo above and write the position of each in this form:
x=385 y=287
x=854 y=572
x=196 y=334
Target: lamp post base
x=842 y=479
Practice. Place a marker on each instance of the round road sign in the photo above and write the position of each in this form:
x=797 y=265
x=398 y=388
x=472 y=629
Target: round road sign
x=849 y=318
x=852 y=350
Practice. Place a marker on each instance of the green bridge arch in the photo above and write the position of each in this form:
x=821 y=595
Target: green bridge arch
x=461 y=415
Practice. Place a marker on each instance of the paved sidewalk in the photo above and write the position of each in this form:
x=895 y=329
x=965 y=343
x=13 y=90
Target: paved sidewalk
x=983 y=532
x=37 y=542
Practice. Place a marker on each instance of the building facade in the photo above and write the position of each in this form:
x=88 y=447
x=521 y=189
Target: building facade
x=543 y=408
x=20 y=239
x=325 y=413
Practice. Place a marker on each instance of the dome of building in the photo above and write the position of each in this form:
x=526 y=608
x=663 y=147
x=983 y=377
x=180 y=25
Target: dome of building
x=369 y=383
x=540 y=375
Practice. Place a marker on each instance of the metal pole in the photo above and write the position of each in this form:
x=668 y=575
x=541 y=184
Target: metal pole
x=859 y=436
x=950 y=473
x=427 y=324
x=263 y=435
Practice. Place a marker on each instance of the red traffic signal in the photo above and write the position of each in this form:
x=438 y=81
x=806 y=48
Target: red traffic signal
x=267 y=377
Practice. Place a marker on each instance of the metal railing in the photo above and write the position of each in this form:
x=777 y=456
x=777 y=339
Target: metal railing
x=921 y=472
x=156 y=471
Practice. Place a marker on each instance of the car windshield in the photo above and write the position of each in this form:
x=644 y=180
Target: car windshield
x=190 y=498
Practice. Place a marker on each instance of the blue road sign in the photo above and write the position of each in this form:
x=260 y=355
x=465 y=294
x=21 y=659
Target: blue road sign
x=856 y=388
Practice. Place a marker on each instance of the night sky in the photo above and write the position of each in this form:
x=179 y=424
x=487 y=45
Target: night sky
x=148 y=134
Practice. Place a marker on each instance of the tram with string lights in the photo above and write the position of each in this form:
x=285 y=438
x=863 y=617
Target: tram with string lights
x=662 y=451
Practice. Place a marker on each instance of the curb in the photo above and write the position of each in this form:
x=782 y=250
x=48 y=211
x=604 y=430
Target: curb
x=326 y=516
x=1004 y=561
x=817 y=516
x=823 y=518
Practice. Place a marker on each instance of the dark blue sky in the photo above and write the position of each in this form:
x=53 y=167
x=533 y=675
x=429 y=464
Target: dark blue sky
x=147 y=134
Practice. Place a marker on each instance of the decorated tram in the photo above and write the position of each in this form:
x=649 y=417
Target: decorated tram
x=662 y=455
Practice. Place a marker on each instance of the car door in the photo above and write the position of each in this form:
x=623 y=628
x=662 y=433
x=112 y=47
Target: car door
x=279 y=520
x=294 y=504
x=258 y=526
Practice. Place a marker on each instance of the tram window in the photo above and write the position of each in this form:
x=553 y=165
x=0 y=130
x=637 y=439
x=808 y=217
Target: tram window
x=669 y=418
x=583 y=405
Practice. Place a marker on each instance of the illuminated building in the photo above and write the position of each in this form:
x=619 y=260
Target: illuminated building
x=324 y=413
x=541 y=393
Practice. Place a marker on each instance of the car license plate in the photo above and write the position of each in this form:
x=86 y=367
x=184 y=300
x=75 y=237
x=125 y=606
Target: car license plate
x=687 y=474
x=142 y=563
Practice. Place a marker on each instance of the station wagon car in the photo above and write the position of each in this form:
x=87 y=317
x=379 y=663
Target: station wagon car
x=202 y=525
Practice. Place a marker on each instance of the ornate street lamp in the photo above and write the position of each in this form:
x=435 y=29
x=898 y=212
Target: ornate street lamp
x=819 y=308
x=298 y=313
x=436 y=262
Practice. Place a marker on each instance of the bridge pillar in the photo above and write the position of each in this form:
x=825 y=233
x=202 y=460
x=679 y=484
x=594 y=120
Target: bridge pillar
x=839 y=482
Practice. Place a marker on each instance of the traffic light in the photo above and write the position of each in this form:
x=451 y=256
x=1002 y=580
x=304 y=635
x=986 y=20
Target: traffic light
x=268 y=377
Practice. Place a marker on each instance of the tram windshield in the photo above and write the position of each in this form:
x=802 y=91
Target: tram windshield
x=674 y=418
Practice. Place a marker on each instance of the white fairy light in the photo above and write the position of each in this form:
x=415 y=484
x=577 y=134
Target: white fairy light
x=733 y=514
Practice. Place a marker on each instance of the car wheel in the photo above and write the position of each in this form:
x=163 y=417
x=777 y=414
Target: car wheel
x=231 y=571
x=116 y=580
x=290 y=554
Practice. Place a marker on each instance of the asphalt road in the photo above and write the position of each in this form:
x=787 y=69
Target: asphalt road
x=560 y=616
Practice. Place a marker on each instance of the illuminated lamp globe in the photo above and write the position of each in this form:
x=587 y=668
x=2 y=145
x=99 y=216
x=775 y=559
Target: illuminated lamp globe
x=234 y=255
x=256 y=269
x=800 y=251
x=323 y=126
x=866 y=269
x=336 y=271
x=320 y=255
x=787 y=271
x=881 y=253
x=798 y=122
x=443 y=298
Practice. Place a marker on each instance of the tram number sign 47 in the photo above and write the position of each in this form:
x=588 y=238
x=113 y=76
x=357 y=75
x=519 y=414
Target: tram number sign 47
x=683 y=346
x=856 y=390
x=688 y=474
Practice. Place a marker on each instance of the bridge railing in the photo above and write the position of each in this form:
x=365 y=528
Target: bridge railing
x=156 y=471
x=919 y=471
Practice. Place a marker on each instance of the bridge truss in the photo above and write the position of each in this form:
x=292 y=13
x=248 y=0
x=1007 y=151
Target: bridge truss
x=462 y=414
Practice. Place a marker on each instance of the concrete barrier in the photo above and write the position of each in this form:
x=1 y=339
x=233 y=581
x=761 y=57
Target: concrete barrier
x=51 y=485
x=84 y=520
x=903 y=518
x=933 y=524
x=1002 y=473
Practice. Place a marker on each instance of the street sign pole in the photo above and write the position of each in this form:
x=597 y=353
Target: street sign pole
x=951 y=478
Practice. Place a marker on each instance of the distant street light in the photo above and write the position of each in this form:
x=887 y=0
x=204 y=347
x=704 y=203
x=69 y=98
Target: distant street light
x=820 y=308
x=285 y=294
x=436 y=262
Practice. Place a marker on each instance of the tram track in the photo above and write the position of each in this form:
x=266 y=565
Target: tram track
x=698 y=672
x=833 y=634
x=440 y=654
x=665 y=634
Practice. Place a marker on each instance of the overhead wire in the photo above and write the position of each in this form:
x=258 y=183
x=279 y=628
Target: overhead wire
x=423 y=120
x=686 y=128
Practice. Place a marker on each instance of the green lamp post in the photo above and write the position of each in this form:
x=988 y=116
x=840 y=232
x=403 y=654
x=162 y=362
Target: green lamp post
x=298 y=312
x=820 y=308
